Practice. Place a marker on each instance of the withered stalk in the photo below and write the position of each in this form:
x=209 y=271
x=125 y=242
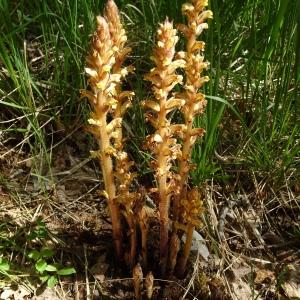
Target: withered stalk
x=123 y=100
x=100 y=61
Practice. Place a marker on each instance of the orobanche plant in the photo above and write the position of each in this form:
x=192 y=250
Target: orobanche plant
x=176 y=79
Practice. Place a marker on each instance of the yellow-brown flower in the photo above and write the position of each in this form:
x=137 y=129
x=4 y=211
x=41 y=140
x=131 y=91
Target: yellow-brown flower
x=192 y=209
x=194 y=100
x=109 y=103
x=165 y=147
x=186 y=205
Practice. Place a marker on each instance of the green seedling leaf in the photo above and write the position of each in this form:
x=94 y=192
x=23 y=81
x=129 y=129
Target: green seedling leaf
x=40 y=230
x=4 y=265
x=47 y=252
x=52 y=281
x=34 y=254
x=44 y=278
x=42 y=233
x=31 y=236
x=66 y=271
x=41 y=265
x=51 y=268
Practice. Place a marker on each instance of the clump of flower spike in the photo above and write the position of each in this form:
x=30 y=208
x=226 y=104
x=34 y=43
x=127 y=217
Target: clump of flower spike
x=163 y=142
x=109 y=103
x=192 y=209
x=194 y=105
x=125 y=198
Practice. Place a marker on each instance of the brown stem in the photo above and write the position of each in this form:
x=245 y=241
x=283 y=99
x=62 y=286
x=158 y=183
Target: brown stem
x=186 y=250
x=164 y=78
x=164 y=237
x=174 y=249
x=162 y=184
x=187 y=145
x=183 y=175
x=144 y=234
x=107 y=169
x=132 y=231
x=164 y=220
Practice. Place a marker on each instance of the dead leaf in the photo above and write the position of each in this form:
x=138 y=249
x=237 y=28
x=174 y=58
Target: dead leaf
x=291 y=286
x=243 y=290
x=100 y=267
x=264 y=276
x=291 y=289
x=198 y=245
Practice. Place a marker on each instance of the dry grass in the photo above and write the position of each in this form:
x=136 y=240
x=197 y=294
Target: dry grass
x=249 y=236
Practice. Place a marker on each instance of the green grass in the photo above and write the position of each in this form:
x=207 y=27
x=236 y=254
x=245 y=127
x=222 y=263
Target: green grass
x=252 y=47
x=252 y=116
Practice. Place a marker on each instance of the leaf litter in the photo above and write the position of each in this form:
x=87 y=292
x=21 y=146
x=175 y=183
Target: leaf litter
x=238 y=254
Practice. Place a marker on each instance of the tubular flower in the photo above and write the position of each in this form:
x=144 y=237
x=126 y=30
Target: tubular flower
x=125 y=198
x=118 y=36
x=192 y=208
x=194 y=100
x=164 y=146
x=194 y=105
x=109 y=103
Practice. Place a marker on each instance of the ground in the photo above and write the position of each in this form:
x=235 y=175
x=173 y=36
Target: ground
x=252 y=249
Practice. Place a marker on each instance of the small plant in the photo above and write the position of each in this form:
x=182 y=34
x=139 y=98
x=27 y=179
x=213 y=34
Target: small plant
x=48 y=272
x=38 y=265
x=171 y=143
x=4 y=266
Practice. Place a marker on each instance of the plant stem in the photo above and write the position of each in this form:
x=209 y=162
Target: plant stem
x=163 y=144
x=186 y=250
x=162 y=184
x=132 y=232
x=143 y=223
x=107 y=170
